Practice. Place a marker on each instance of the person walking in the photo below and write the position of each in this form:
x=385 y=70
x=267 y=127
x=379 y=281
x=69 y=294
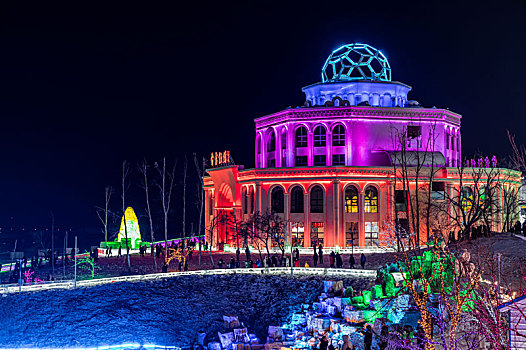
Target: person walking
x=368 y=338
x=315 y=258
x=247 y=253
x=352 y=261
x=331 y=259
x=362 y=261
x=119 y=253
x=339 y=262
x=320 y=253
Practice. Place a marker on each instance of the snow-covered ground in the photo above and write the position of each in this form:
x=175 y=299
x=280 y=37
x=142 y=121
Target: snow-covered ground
x=166 y=312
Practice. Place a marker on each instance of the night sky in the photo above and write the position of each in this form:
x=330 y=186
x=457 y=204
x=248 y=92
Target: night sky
x=84 y=87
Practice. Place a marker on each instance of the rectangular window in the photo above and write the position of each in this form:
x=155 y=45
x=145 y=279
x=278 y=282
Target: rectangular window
x=271 y=163
x=338 y=159
x=316 y=234
x=400 y=200
x=438 y=191
x=320 y=160
x=301 y=160
x=298 y=230
x=414 y=131
x=371 y=233
x=338 y=140
x=351 y=234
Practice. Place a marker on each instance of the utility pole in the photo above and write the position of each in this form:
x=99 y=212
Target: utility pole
x=64 y=255
x=53 y=244
x=75 y=262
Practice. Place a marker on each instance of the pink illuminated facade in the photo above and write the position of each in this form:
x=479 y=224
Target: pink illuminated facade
x=328 y=168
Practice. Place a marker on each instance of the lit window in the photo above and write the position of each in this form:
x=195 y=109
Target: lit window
x=351 y=234
x=317 y=234
x=298 y=231
x=351 y=200
x=371 y=200
x=338 y=136
x=301 y=137
x=466 y=199
x=320 y=136
x=371 y=233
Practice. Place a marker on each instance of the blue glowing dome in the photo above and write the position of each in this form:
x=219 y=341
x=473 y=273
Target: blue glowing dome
x=356 y=62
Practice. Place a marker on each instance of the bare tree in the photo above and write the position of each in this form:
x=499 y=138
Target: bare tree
x=125 y=173
x=143 y=169
x=165 y=188
x=103 y=213
x=474 y=200
x=200 y=168
x=184 y=195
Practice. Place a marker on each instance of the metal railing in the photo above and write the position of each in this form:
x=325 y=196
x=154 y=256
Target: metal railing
x=14 y=288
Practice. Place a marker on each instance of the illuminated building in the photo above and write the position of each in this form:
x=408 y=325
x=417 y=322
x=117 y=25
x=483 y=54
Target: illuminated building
x=328 y=168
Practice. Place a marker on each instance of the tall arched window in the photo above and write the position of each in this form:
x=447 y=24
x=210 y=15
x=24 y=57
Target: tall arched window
x=320 y=136
x=271 y=144
x=338 y=136
x=296 y=200
x=251 y=200
x=276 y=200
x=316 y=200
x=351 y=200
x=301 y=137
x=371 y=199
x=245 y=201
x=466 y=199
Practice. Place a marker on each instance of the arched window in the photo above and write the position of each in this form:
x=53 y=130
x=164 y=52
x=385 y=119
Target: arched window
x=338 y=136
x=466 y=199
x=316 y=200
x=251 y=200
x=351 y=200
x=245 y=201
x=271 y=145
x=320 y=136
x=276 y=200
x=371 y=199
x=301 y=137
x=296 y=200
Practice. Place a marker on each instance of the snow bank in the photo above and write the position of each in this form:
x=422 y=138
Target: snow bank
x=166 y=312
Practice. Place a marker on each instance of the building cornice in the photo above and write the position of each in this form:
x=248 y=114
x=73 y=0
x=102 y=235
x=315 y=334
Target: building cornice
x=371 y=113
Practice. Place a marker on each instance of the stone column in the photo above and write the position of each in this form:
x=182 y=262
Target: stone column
x=278 y=152
x=337 y=213
x=310 y=148
x=361 y=223
x=258 y=197
x=328 y=148
x=306 y=210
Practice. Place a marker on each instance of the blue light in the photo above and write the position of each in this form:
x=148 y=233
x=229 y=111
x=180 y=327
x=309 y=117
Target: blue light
x=356 y=62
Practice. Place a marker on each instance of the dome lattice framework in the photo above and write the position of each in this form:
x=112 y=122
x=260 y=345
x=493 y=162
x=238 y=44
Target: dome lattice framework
x=356 y=62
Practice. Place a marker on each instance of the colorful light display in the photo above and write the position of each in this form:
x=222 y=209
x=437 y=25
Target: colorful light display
x=356 y=62
x=132 y=228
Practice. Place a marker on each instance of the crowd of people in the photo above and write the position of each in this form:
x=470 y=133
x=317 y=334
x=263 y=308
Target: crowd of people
x=276 y=260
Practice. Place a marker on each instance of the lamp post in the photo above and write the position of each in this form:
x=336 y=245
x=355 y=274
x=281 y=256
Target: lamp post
x=291 y=260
